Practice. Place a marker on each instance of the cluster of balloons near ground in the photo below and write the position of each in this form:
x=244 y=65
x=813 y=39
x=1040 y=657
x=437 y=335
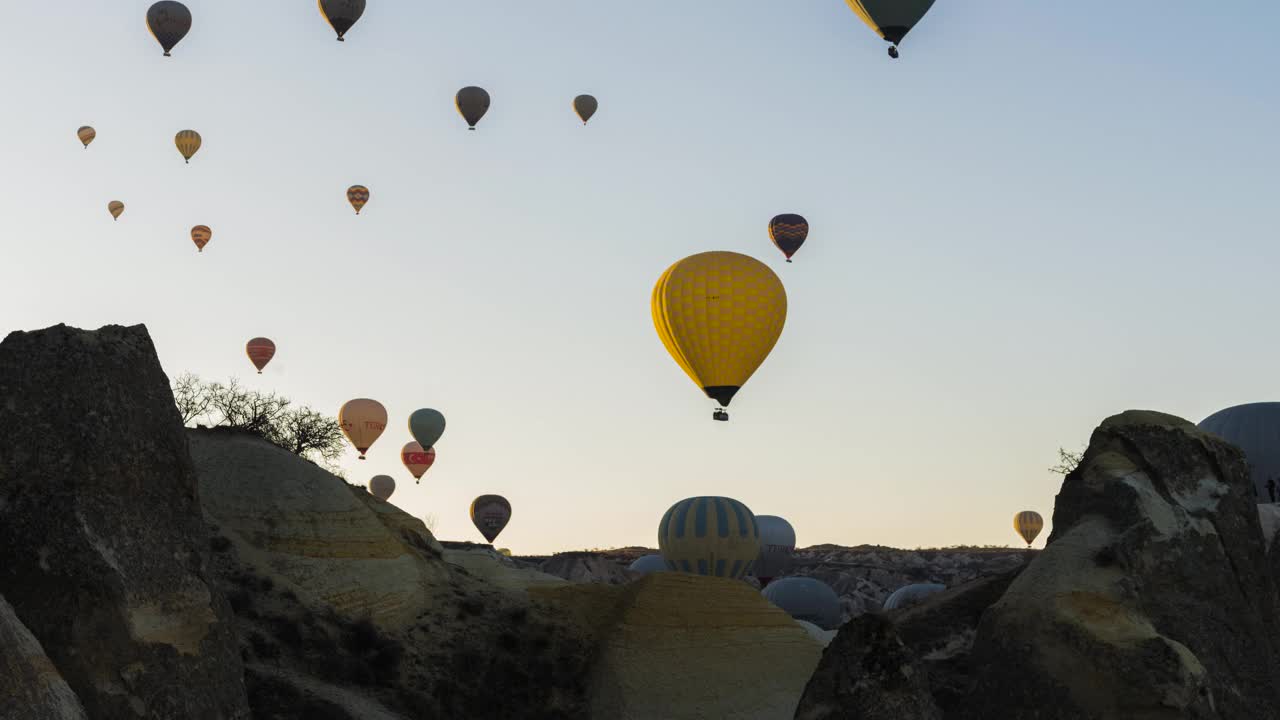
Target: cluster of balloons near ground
x=721 y=537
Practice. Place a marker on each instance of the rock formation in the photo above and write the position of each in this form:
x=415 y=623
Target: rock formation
x=30 y=686
x=105 y=548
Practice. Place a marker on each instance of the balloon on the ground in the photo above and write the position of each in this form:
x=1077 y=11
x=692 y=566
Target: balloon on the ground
x=472 y=102
x=777 y=545
x=806 y=598
x=788 y=232
x=426 y=426
x=715 y=536
x=490 y=514
x=168 y=22
x=911 y=595
x=341 y=14
x=358 y=196
x=417 y=460
x=1255 y=429
x=1028 y=523
x=188 y=142
x=648 y=564
x=362 y=420
x=115 y=207
x=381 y=486
x=260 y=351
x=86 y=135
x=201 y=235
x=585 y=106
x=719 y=314
x=891 y=19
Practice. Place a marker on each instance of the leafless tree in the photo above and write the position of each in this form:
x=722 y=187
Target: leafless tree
x=304 y=431
x=193 y=397
x=241 y=409
x=1067 y=461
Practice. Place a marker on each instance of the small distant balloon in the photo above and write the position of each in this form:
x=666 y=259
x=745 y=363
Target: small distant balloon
x=788 y=232
x=472 y=103
x=362 y=420
x=260 y=351
x=86 y=135
x=201 y=235
x=648 y=564
x=381 y=486
x=417 y=460
x=168 y=22
x=341 y=14
x=188 y=142
x=426 y=426
x=115 y=207
x=585 y=106
x=1028 y=524
x=490 y=514
x=358 y=196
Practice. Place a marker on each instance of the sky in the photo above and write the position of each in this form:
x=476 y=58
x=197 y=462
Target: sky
x=1043 y=214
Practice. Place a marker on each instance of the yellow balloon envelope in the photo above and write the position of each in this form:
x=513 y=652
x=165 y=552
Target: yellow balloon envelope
x=719 y=314
x=188 y=142
x=86 y=135
x=362 y=421
x=715 y=536
x=1028 y=523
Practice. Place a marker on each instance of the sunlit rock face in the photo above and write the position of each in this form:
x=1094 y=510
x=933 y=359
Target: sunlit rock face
x=105 y=550
x=1153 y=598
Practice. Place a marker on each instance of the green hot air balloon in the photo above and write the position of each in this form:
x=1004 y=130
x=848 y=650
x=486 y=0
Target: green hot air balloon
x=426 y=426
x=715 y=536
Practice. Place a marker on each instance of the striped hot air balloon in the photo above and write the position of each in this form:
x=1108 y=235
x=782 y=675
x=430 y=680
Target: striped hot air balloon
x=260 y=351
x=1028 y=523
x=188 y=142
x=115 y=207
x=358 y=196
x=715 y=536
x=788 y=231
x=201 y=235
x=86 y=135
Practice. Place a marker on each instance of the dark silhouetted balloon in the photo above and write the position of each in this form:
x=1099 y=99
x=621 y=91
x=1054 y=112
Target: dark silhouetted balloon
x=911 y=595
x=168 y=22
x=341 y=14
x=585 y=106
x=806 y=598
x=777 y=544
x=473 y=103
x=490 y=514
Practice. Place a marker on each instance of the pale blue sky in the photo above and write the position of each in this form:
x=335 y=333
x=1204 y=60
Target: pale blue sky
x=1044 y=213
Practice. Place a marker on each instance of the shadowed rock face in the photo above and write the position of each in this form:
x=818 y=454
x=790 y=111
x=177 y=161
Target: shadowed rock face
x=30 y=686
x=102 y=531
x=1153 y=598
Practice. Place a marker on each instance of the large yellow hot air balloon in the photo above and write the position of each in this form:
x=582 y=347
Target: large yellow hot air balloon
x=86 y=135
x=115 y=207
x=362 y=421
x=891 y=19
x=715 y=536
x=1028 y=523
x=188 y=142
x=719 y=314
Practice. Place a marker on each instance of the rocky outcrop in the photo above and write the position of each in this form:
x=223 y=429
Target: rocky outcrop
x=30 y=686
x=1153 y=598
x=684 y=647
x=587 y=567
x=105 y=547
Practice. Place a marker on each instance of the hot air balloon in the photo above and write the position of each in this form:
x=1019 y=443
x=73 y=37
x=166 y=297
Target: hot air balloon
x=168 y=22
x=188 y=142
x=714 y=536
x=426 y=426
x=648 y=564
x=417 y=460
x=115 y=207
x=358 y=195
x=911 y=595
x=490 y=514
x=86 y=135
x=362 y=421
x=891 y=19
x=777 y=544
x=381 y=486
x=1255 y=429
x=719 y=314
x=788 y=231
x=806 y=598
x=585 y=106
x=341 y=14
x=201 y=235
x=1028 y=523
x=260 y=351
x=473 y=103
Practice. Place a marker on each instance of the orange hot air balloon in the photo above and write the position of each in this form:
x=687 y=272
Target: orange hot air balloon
x=362 y=421
x=201 y=235
x=416 y=459
x=358 y=195
x=260 y=351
